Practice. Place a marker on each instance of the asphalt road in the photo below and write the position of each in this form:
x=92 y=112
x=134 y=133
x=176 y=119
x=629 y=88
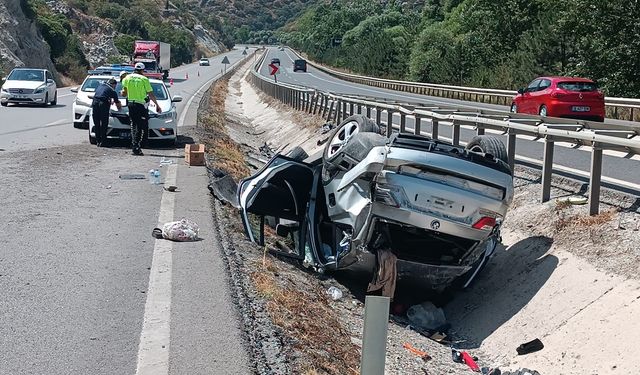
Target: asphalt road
x=618 y=168
x=79 y=269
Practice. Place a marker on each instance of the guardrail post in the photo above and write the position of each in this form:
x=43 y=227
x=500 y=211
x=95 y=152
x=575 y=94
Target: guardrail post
x=324 y=107
x=368 y=112
x=547 y=167
x=455 y=136
x=479 y=130
x=417 y=125
x=359 y=109
x=330 y=112
x=434 y=128
x=511 y=151
x=403 y=122
x=350 y=109
x=378 y=115
x=389 y=122
x=338 y=111
x=374 y=335
x=315 y=103
x=594 y=180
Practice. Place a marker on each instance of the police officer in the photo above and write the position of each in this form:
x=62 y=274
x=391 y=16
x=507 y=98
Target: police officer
x=136 y=87
x=104 y=94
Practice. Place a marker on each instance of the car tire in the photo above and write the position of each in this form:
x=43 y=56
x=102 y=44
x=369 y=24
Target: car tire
x=543 y=111
x=298 y=154
x=55 y=99
x=46 y=100
x=4 y=104
x=93 y=140
x=488 y=144
x=514 y=108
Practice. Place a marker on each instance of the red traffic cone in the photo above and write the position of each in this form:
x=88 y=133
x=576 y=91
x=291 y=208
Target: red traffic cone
x=187 y=76
x=171 y=81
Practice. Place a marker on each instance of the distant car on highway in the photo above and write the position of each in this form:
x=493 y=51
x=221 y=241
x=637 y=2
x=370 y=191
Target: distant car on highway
x=569 y=97
x=162 y=127
x=29 y=86
x=82 y=103
x=275 y=60
x=204 y=62
x=300 y=64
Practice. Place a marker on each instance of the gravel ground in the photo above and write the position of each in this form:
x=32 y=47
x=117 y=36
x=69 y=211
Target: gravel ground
x=610 y=242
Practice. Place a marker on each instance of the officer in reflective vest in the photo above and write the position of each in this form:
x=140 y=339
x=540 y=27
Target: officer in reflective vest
x=136 y=87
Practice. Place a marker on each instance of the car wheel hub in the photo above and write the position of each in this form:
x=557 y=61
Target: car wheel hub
x=341 y=138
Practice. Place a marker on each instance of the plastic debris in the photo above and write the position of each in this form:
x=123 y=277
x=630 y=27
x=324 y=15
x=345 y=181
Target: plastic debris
x=183 y=231
x=530 y=347
x=426 y=316
x=422 y=354
x=135 y=176
x=334 y=293
x=164 y=161
x=327 y=127
x=464 y=357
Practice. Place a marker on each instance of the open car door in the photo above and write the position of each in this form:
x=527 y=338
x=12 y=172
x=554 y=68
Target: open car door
x=279 y=196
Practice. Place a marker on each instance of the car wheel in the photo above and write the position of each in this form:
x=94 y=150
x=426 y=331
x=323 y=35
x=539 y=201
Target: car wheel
x=93 y=140
x=514 y=108
x=488 y=144
x=4 y=104
x=341 y=152
x=46 y=100
x=543 y=111
x=298 y=154
x=55 y=99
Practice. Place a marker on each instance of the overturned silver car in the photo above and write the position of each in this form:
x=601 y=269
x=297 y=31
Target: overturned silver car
x=436 y=206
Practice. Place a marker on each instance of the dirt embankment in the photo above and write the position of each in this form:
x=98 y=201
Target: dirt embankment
x=561 y=276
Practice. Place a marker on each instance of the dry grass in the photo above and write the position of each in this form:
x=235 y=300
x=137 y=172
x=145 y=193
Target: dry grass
x=585 y=221
x=303 y=312
x=225 y=154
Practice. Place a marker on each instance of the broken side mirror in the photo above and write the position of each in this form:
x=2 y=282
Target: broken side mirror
x=74 y=89
x=521 y=91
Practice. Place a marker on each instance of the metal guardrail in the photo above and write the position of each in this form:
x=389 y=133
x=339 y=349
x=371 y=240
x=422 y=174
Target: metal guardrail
x=597 y=136
x=616 y=108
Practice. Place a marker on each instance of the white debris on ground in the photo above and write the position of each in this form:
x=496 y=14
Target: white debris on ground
x=561 y=276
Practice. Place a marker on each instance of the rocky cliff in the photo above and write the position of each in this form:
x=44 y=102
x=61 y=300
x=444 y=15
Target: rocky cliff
x=20 y=41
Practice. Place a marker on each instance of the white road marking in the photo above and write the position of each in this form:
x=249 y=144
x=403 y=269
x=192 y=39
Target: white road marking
x=153 y=351
x=186 y=107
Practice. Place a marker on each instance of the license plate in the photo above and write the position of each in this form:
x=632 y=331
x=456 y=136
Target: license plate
x=20 y=96
x=125 y=135
x=580 y=109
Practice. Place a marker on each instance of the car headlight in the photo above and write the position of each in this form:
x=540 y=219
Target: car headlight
x=82 y=102
x=40 y=90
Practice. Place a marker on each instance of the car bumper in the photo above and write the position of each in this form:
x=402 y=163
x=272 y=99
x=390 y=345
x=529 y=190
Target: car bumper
x=159 y=129
x=6 y=97
x=80 y=114
x=565 y=109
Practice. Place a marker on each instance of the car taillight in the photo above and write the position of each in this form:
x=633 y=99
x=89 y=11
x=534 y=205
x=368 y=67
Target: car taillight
x=485 y=223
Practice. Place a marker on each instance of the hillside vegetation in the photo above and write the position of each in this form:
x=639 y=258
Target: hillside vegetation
x=485 y=43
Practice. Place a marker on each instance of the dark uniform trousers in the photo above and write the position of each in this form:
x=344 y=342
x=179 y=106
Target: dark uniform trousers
x=100 y=115
x=139 y=116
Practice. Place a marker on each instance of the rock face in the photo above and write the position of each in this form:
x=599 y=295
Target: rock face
x=204 y=38
x=20 y=41
x=95 y=33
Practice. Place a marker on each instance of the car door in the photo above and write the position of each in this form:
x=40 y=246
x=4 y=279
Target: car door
x=527 y=105
x=51 y=86
x=539 y=97
x=277 y=197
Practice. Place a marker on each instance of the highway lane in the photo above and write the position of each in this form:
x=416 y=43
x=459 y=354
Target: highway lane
x=616 y=165
x=76 y=255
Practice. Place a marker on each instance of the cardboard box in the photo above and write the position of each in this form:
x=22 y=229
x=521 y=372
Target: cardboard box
x=194 y=154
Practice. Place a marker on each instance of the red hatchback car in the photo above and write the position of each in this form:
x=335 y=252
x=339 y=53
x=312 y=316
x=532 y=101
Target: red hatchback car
x=561 y=97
